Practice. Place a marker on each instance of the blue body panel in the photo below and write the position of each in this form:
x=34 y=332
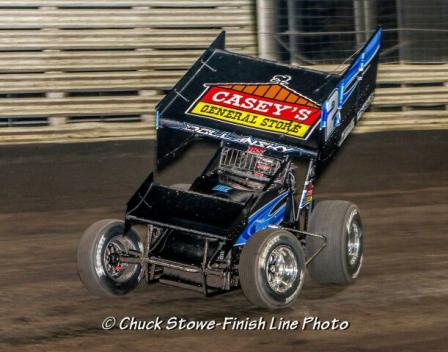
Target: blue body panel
x=271 y=213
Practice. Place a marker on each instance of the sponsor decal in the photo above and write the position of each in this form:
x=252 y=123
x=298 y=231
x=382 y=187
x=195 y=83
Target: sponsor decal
x=222 y=188
x=271 y=107
x=365 y=106
x=346 y=132
x=233 y=137
x=255 y=150
x=307 y=195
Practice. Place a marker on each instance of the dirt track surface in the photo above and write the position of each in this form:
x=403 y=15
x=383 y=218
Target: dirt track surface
x=51 y=193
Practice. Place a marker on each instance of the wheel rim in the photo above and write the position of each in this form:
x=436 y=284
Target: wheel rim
x=281 y=269
x=111 y=263
x=354 y=243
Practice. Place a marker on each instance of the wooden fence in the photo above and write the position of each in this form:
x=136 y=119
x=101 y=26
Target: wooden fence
x=71 y=66
x=409 y=97
x=64 y=61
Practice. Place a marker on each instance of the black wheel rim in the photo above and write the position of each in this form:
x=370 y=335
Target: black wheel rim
x=110 y=262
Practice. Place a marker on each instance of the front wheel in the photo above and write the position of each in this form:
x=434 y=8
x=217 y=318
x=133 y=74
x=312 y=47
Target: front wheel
x=272 y=269
x=341 y=260
x=99 y=265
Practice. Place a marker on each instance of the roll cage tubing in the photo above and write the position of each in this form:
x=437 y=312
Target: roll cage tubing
x=285 y=164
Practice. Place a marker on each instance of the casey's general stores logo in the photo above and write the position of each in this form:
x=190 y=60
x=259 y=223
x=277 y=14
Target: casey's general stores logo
x=272 y=107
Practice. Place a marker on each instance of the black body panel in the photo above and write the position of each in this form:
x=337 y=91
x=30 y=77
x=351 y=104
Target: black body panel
x=197 y=213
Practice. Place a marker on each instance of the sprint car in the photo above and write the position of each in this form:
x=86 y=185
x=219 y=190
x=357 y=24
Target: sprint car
x=247 y=220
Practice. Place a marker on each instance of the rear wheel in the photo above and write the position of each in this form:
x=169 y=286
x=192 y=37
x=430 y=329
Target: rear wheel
x=341 y=260
x=272 y=269
x=99 y=265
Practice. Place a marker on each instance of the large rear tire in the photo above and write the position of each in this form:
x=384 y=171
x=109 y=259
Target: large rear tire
x=272 y=269
x=99 y=266
x=341 y=260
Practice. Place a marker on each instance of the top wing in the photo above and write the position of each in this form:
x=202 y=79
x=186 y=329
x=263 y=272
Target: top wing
x=246 y=100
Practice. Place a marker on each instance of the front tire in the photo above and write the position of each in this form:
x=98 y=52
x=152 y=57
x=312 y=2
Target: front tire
x=272 y=269
x=99 y=266
x=341 y=260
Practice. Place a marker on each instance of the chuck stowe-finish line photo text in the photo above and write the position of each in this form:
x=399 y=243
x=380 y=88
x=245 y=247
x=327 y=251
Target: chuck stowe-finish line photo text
x=228 y=323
